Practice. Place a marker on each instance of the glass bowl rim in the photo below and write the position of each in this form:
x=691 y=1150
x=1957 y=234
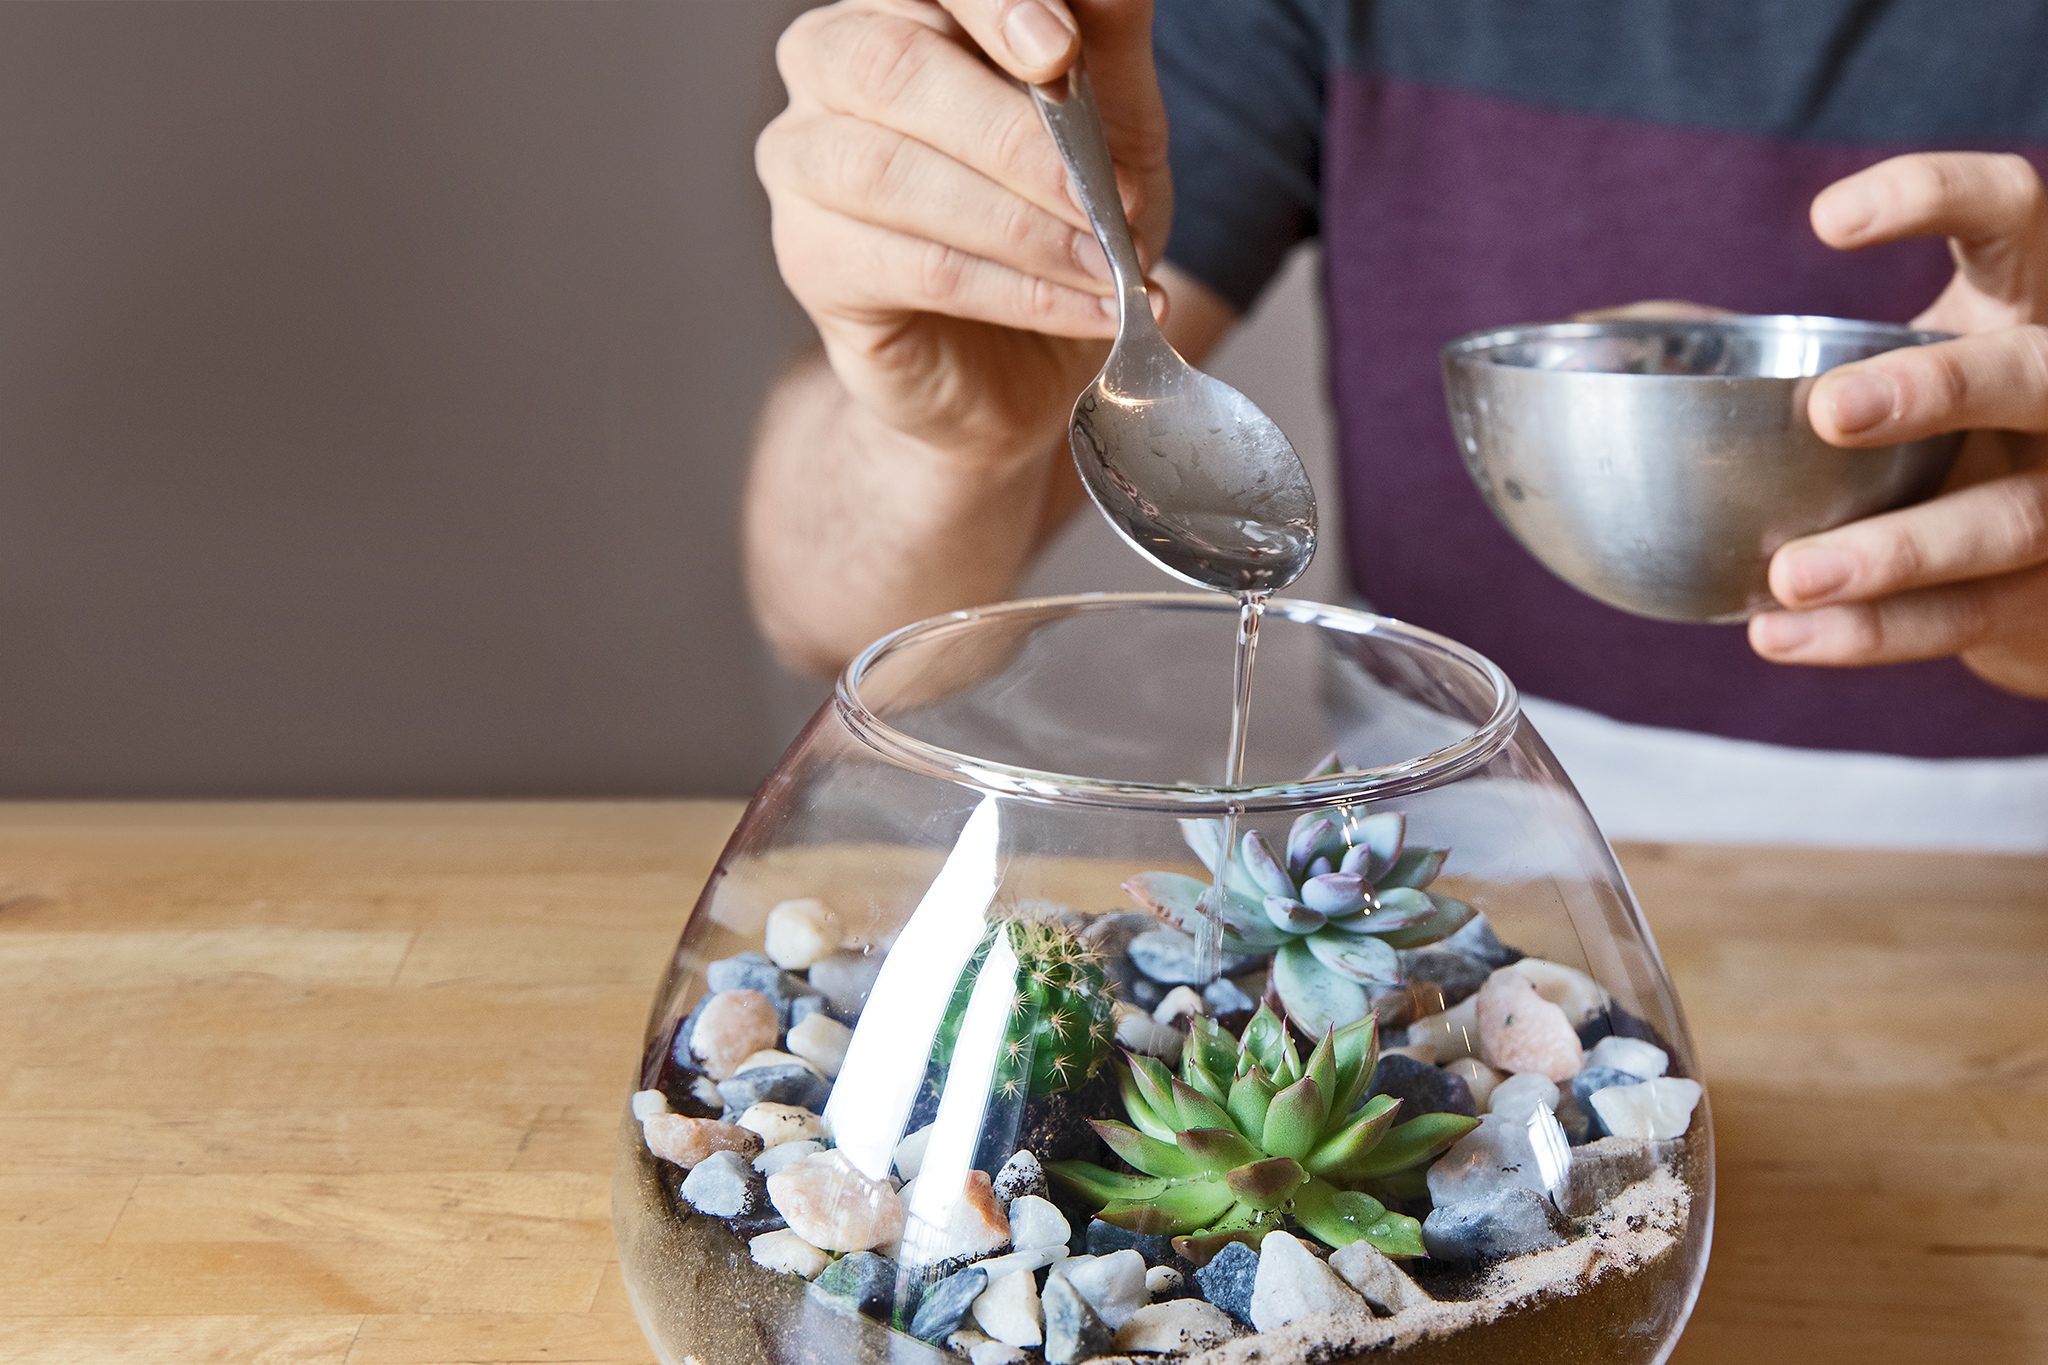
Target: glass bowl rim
x=1421 y=772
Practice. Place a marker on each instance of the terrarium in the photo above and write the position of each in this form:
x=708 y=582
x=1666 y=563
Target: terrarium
x=1005 y=1031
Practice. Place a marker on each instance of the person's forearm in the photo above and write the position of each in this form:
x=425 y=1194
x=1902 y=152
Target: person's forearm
x=853 y=529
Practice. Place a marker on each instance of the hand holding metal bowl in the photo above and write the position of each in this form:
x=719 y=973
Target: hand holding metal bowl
x=1658 y=464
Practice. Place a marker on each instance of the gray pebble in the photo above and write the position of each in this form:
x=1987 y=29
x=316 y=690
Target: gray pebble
x=1168 y=955
x=1583 y=1086
x=863 y=1282
x=755 y=972
x=845 y=978
x=1228 y=1279
x=1509 y=1222
x=1020 y=1175
x=789 y=1084
x=1445 y=976
x=1224 y=996
x=1073 y=1330
x=946 y=1303
x=1422 y=1088
x=1476 y=940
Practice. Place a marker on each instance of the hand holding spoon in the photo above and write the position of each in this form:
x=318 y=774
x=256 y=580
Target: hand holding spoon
x=1186 y=468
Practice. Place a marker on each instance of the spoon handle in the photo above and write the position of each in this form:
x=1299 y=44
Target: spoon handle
x=1068 y=107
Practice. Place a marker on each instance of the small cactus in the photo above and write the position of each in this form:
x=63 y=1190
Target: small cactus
x=1059 y=1027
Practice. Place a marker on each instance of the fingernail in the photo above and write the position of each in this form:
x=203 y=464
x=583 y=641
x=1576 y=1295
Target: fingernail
x=1156 y=297
x=1110 y=309
x=1816 y=572
x=1781 y=632
x=1088 y=255
x=1860 y=401
x=1036 y=36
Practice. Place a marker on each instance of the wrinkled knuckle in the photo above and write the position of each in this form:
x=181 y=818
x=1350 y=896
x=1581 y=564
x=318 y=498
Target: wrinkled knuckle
x=941 y=272
x=2019 y=181
x=2026 y=519
x=1933 y=382
x=2033 y=345
x=1970 y=617
x=871 y=167
x=1042 y=300
x=1899 y=559
x=1019 y=152
x=1022 y=232
x=885 y=58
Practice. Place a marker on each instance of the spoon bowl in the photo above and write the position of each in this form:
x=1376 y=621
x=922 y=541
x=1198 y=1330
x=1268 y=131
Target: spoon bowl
x=1188 y=470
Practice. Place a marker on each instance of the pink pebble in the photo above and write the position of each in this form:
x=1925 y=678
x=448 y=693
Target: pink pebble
x=1521 y=1031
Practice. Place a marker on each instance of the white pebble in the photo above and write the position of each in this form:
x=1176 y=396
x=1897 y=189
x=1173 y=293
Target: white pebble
x=768 y=1056
x=1372 y=1273
x=1036 y=1222
x=1568 y=988
x=783 y=1250
x=910 y=1152
x=1657 y=1110
x=1632 y=1055
x=705 y=1091
x=1177 y=1004
x=780 y=1155
x=1521 y=1094
x=800 y=932
x=820 y=1040
x=1009 y=1311
x=1501 y=1153
x=648 y=1103
x=1113 y=1285
x=1478 y=1077
x=996 y=1353
x=1293 y=1282
x=1034 y=1258
x=1163 y=1279
x=1140 y=1032
x=1426 y=1053
x=1175 y=1327
x=1454 y=1033
x=780 y=1123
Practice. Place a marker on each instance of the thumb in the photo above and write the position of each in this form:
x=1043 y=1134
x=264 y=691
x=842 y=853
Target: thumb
x=1033 y=40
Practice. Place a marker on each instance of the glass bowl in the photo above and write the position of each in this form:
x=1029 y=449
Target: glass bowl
x=966 y=1052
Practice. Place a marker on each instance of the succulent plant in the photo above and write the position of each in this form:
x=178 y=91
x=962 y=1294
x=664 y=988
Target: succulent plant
x=1059 y=1026
x=1332 y=912
x=1249 y=1135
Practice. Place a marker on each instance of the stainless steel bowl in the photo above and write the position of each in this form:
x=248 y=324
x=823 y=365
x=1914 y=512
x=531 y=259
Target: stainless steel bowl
x=1657 y=464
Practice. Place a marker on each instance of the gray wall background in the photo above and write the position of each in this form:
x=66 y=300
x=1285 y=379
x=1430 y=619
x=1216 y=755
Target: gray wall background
x=375 y=382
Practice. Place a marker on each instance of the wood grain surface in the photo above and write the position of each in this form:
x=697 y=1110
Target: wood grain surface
x=338 y=1083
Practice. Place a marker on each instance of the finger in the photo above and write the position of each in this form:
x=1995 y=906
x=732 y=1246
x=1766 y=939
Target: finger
x=1653 y=310
x=1991 y=206
x=1982 y=531
x=1033 y=40
x=871 y=276
x=1930 y=624
x=867 y=172
x=1121 y=67
x=1995 y=380
x=909 y=77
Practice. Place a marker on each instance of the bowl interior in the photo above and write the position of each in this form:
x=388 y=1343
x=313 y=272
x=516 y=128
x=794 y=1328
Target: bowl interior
x=1742 y=347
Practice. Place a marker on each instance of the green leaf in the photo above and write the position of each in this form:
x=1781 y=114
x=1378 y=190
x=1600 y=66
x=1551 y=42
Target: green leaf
x=1211 y=1046
x=1313 y=836
x=1251 y=1095
x=1397 y=1234
x=1335 y=1154
x=1290 y=1062
x=1336 y=1217
x=1154 y=1084
x=1294 y=1120
x=1239 y=1223
x=1263 y=1037
x=1262 y=867
x=1181 y=1207
x=1099 y=1186
x=1358 y=1052
x=1148 y=1154
x=1375 y=844
x=1360 y=958
x=1447 y=917
x=1220 y=1150
x=1198 y=1110
x=1170 y=896
x=1144 y=1115
x=1410 y=1144
x=1316 y=998
x=1267 y=1184
x=1206 y=1081
x=1321 y=1066
x=1398 y=908
x=1417 y=867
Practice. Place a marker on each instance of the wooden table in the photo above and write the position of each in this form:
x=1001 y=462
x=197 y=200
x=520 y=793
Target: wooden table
x=327 y=1083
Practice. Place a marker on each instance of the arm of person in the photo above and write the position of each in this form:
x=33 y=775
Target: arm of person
x=1966 y=573
x=853 y=527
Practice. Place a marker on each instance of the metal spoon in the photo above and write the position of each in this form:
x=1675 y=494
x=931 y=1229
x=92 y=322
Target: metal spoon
x=1186 y=468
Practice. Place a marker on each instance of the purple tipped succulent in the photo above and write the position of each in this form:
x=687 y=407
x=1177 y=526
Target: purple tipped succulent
x=1332 y=909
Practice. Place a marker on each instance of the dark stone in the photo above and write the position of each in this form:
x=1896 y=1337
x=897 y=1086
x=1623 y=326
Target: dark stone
x=754 y=1224
x=725 y=1185
x=946 y=1303
x=1227 y=1280
x=1022 y=1174
x=863 y=1282
x=1073 y=1331
x=1616 y=1022
x=1105 y=1238
x=1444 y=977
x=1476 y=940
x=1509 y=1222
x=1422 y=1088
x=1111 y=934
x=1132 y=986
x=755 y=972
x=1168 y=955
x=679 y=1042
x=1585 y=1083
x=790 y=1084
